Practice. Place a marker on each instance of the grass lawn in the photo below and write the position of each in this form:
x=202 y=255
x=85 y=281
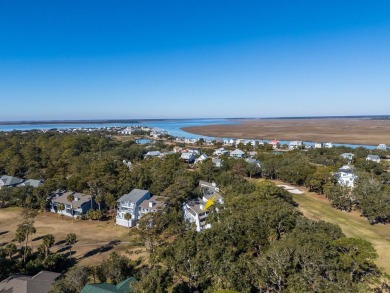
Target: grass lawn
x=92 y=236
x=317 y=207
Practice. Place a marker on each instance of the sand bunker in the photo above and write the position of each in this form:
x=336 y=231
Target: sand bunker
x=291 y=189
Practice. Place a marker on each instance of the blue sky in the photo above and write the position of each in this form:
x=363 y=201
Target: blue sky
x=184 y=59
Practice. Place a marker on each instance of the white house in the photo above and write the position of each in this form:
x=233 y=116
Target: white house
x=220 y=152
x=329 y=145
x=346 y=176
x=374 y=158
x=130 y=203
x=217 y=162
x=382 y=147
x=194 y=210
x=295 y=145
x=152 y=154
x=347 y=156
x=209 y=187
x=237 y=153
x=202 y=158
x=318 y=145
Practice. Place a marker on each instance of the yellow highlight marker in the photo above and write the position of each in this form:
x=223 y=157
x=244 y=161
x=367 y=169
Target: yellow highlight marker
x=209 y=203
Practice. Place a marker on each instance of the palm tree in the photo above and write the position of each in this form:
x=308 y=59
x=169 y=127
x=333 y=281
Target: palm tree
x=71 y=239
x=60 y=208
x=10 y=249
x=70 y=198
x=127 y=217
x=99 y=200
x=48 y=241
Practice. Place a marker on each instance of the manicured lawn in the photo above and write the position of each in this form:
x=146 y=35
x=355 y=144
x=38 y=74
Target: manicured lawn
x=92 y=236
x=317 y=207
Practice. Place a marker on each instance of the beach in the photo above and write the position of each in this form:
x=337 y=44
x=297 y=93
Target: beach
x=336 y=130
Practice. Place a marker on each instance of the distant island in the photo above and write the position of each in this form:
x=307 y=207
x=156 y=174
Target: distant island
x=109 y=121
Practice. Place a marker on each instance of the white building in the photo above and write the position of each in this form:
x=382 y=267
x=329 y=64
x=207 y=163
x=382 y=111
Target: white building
x=130 y=203
x=220 y=152
x=152 y=205
x=382 y=147
x=328 y=145
x=346 y=176
x=295 y=145
x=237 y=153
x=194 y=210
x=374 y=158
x=347 y=156
x=202 y=158
x=318 y=145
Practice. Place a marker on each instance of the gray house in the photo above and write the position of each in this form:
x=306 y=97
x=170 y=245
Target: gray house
x=154 y=204
x=80 y=205
x=130 y=203
x=40 y=283
x=32 y=182
x=9 y=181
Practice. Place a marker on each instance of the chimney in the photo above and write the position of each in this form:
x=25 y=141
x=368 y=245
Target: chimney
x=151 y=204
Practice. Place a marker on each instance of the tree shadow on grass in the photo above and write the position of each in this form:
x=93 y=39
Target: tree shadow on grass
x=3 y=232
x=101 y=249
x=60 y=242
x=37 y=238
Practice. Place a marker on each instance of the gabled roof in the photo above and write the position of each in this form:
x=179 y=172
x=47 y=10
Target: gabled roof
x=153 y=154
x=158 y=202
x=40 y=283
x=218 y=197
x=10 y=180
x=373 y=157
x=252 y=161
x=237 y=152
x=32 y=182
x=187 y=156
x=79 y=199
x=122 y=287
x=133 y=196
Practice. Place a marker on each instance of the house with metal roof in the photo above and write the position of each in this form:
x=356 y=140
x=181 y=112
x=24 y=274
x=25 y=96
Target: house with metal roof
x=10 y=181
x=374 y=158
x=237 y=153
x=125 y=286
x=40 y=283
x=32 y=182
x=130 y=203
x=188 y=157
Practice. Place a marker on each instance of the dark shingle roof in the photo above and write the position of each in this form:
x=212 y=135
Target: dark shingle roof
x=40 y=283
x=79 y=199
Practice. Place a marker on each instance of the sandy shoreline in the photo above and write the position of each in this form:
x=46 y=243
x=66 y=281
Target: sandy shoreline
x=338 y=130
